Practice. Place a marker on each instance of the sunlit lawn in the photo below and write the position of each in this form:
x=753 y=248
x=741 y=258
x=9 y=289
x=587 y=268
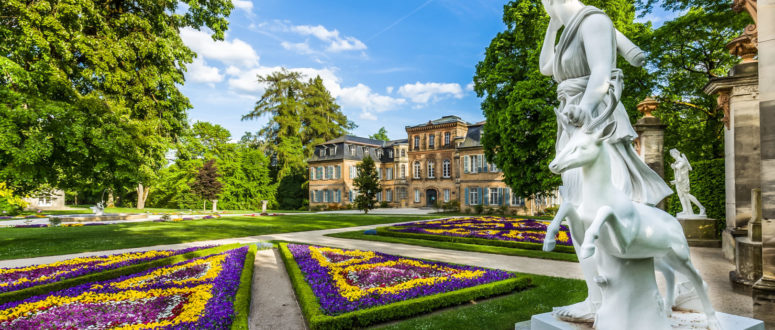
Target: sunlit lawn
x=36 y=242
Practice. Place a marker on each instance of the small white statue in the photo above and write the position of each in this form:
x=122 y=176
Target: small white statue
x=98 y=209
x=681 y=169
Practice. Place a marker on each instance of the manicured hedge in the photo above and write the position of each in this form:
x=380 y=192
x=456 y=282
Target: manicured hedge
x=385 y=231
x=317 y=320
x=707 y=184
x=242 y=299
x=110 y=274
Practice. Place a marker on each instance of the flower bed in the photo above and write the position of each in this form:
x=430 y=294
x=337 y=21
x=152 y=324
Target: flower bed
x=495 y=228
x=342 y=288
x=194 y=294
x=12 y=279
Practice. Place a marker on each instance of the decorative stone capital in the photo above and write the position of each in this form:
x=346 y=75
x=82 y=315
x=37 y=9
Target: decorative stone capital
x=746 y=45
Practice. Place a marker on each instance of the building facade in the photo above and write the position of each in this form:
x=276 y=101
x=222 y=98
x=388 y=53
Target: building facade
x=439 y=162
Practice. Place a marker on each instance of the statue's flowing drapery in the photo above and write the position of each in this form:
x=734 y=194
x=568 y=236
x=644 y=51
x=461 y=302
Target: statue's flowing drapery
x=571 y=70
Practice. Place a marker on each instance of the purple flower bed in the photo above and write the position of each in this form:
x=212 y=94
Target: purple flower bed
x=13 y=279
x=31 y=226
x=494 y=228
x=194 y=294
x=349 y=280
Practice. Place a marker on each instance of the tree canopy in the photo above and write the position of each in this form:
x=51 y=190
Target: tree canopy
x=380 y=135
x=367 y=184
x=88 y=89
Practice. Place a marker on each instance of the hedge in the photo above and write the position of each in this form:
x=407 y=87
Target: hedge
x=242 y=299
x=316 y=319
x=385 y=231
x=109 y=274
x=707 y=184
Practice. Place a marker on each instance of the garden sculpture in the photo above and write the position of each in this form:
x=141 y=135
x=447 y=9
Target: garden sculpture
x=98 y=209
x=620 y=278
x=681 y=169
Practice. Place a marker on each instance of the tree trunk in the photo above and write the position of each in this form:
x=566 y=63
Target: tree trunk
x=111 y=202
x=215 y=205
x=142 y=195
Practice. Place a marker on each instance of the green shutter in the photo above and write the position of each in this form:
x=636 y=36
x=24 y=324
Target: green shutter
x=466 y=197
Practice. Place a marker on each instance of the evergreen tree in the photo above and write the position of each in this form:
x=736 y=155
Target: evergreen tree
x=380 y=135
x=322 y=119
x=367 y=184
x=206 y=184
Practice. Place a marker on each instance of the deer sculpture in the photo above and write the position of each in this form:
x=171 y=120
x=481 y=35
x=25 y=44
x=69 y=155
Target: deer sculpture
x=634 y=230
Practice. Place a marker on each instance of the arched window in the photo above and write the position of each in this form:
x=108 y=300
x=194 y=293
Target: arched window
x=445 y=168
x=416 y=169
x=431 y=169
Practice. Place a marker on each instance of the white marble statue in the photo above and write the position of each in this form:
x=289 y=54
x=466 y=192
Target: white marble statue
x=98 y=209
x=681 y=168
x=619 y=236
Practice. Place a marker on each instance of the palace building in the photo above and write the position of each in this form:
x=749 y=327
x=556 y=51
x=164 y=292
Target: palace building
x=439 y=161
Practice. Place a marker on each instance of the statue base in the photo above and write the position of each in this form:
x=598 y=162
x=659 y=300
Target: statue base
x=679 y=320
x=700 y=230
x=748 y=265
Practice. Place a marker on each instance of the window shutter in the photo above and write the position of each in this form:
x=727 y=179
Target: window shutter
x=479 y=191
x=500 y=196
x=338 y=172
x=486 y=200
x=466 y=197
x=506 y=200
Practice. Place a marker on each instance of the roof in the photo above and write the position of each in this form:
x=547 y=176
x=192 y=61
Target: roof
x=356 y=139
x=442 y=120
x=473 y=136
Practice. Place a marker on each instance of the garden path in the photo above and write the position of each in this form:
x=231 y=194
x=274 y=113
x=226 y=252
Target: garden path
x=709 y=261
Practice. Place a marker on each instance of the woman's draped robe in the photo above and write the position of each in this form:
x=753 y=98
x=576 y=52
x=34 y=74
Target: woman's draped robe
x=571 y=70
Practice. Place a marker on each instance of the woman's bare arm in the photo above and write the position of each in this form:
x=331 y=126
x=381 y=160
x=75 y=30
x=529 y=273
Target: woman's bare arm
x=546 y=61
x=598 y=37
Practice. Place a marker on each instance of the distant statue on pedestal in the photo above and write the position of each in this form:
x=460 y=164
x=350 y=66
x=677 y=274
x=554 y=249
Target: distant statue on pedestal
x=681 y=168
x=98 y=209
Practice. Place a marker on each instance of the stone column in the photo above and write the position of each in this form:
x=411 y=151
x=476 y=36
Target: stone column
x=764 y=289
x=651 y=137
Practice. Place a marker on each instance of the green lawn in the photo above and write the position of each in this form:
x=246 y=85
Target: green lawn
x=37 y=242
x=504 y=311
x=459 y=246
x=84 y=209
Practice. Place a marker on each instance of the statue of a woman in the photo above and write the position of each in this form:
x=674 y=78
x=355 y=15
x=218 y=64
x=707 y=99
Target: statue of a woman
x=583 y=62
x=681 y=169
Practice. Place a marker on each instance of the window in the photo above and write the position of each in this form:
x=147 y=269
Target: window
x=323 y=152
x=352 y=150
x=319 y=196
x=312 y=173
x=416 y=169
x=320 y=173
x=379 y=173
x=44 y=201
x=379 y=153
x=338 y=195
x=417 y=195
x=445 y=168
x=326 y=195
x=403 y=152
x=402 y=193
x=389 y=195
x=446 y=195
x=431 y=169
x=365 y=151
x=379 y=196
x=351 y=196
x=329 y=172
x=416 y=142
x=403 y=171
x=390 y=153
x=431 y=141
x=494 y=196
x=389 y=173
x=353 y=172
x=446 y=139
x=466 y=164
x=516 y=200
x=474 y=196
x=493 y=168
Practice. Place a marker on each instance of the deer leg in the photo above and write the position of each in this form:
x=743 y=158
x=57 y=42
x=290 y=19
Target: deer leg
x=684 y=266
x=669 y=275
x=593 y=232
x=566 y=209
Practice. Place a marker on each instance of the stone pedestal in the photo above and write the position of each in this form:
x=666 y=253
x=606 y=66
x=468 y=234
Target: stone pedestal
x=651 y=137
x=738 y=97
x=679 y=320
x=700 y=231
x=748 y=264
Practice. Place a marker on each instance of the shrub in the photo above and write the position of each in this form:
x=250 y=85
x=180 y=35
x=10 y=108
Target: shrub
x=452 y=206
x=53 y=222
x=9 y=203
x=503 y=210
x=551 y=211
x=383 y=204
x=479 y=209
x=707 y=184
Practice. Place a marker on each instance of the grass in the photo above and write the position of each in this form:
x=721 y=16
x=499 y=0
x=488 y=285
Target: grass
x=84 y=209
x=504 y=311
x=459 y=246
x=38 y=242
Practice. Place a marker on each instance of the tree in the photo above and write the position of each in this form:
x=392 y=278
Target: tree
x=380 y=135
x=206 y=184
x=88 y=89
x=367 y=184
x=521 y=126
x=321 y=117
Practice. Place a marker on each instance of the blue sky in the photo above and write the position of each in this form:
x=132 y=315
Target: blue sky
x=388 y=63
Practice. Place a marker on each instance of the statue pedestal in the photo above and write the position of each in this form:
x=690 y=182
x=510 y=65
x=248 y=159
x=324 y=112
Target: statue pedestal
x=679 y=320
x=748 y=264
x=700 y=231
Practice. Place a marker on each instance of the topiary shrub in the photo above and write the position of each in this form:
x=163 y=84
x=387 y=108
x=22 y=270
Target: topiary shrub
x=707 y=184
x=9 y=203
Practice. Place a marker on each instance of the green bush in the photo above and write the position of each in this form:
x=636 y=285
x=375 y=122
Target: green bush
x=479 y=208
x=452 y=206
x=317 y=320
x=9 y=203
x=707 y=184
x=385 y=231
x=383 y=204
x=242 y=299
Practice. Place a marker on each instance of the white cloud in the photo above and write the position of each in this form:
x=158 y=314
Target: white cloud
x=362 y=97
x=389 y=89
x=246 y=5
x=235 y=52
x=301 y=47
x=336 y=43
x=425 y=92
x=199 y=71
x=470 y=87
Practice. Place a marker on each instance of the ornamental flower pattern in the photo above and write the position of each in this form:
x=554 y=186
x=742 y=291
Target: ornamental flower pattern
x=496 y=228
x=194 y=294
x=13 y=279
x=348 y=280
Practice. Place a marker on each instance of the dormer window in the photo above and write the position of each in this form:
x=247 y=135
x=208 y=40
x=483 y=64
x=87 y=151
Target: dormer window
x=390 y=153
x=322 y=152
x=352 y=150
